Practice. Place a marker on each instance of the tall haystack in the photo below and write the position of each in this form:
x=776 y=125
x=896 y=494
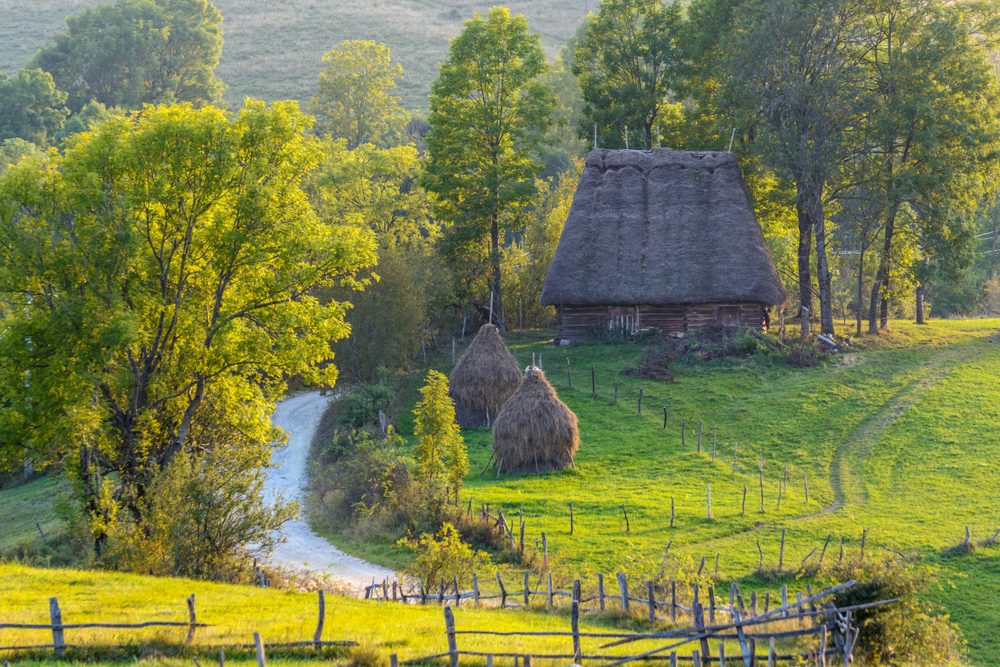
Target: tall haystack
x=535 y=431
x=484 y=378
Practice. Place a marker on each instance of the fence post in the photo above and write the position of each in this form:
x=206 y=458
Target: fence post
x=571 y=518
x=449 y=626
x=652 y=601
x=55 y=618
x=671 y=511
x=821 y=655
x=600 y=590
x=527 y=587
x=503 y=591
x=711 y=604
x=550 y=591
x=623 y=587
x=393 y=660
x=475 y=588
x=192 y=619
x=458 y=593
x=259 y=647
x=698 y=612
x=575 y=622
x=673 y=601
x=701 y=424
x=318 y=635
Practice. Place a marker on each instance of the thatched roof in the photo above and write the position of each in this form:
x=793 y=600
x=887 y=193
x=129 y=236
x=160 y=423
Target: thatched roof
x=661 y=227
x=535 y=431
x=483 y=379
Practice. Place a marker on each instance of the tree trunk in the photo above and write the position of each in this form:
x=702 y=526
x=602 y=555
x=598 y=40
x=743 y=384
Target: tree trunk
x=495 y=265
x=823 y=269
x=880 y=288
x=861 y=290
x=920 y=304
x=805 y=250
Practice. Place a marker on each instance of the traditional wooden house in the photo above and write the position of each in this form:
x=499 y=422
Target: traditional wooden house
x=664 y=239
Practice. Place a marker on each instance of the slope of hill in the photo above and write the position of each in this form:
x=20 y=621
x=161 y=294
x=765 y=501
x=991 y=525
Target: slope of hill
x=274 y=50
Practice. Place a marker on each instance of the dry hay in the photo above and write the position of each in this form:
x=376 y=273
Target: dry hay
x=483 y=379
x=535 y=431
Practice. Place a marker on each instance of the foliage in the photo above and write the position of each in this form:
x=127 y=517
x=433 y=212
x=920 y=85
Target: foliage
x=442 y=461
x=527 y=259
x=360 y=406
x=354 y=98
x=136 y=52
x=364 y=476
x=161 y=271
x=908 y=632
x=444 y=557
x=629 y=63
x=31 y=108
x=13 y=150
x=203 y=516
x=488 y=113
x=93 y=113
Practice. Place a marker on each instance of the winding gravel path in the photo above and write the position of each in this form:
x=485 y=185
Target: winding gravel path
x=299 y=416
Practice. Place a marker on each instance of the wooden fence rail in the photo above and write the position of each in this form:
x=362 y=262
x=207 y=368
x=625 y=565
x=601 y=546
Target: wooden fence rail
x=59 y=645
x=832 y=628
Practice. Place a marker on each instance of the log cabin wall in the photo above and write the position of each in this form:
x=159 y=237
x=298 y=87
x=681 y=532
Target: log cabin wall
x=578 y=323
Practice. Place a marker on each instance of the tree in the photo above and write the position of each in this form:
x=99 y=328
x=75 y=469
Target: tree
x=932 y=131
x=629 y=63
x=136 y=52
x=442 y=461
x=354 y=99
x=158 y=282
x=31 y=107
x=792 y=66
x=488 y=113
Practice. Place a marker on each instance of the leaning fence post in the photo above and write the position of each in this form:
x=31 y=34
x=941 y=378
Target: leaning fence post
x=623 y=587
x=575 y=622
x=318 y=635
x=55 y=618
x=449 y=626
x=503 y=591
x=259 y=647
x=192 y=619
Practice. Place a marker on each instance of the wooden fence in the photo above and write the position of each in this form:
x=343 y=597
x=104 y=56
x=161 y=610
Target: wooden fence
x=59 y=645
x=755 y=636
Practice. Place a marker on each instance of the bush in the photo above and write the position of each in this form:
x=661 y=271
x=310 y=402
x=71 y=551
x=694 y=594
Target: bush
x=364 y=474
x=907 y=632
x=360 y=407
x=444 y=557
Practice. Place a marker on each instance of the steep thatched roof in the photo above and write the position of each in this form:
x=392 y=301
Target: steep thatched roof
x=483 y=379
x=661 y=227
x=535 y=431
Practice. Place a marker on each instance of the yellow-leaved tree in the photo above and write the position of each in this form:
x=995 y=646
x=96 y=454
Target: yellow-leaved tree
x=442 y=460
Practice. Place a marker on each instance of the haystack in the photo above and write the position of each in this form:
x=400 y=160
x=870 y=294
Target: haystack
x=484 y=378
x=535 y=431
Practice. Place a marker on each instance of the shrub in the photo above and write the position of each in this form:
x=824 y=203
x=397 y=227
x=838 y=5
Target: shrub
x=907 y=632
x=444 y=557
x=360 y=407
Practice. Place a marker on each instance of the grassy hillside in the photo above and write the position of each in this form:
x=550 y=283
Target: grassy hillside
x=273 y=50
x=899 y=439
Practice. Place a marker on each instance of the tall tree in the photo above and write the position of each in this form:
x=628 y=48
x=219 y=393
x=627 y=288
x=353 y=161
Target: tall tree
x=629 y=63
x=792 y=64
x=930 y=125
x=158 y=283
x=488 y=114
x=31 y=107
x=136 y=52
x=354 y=95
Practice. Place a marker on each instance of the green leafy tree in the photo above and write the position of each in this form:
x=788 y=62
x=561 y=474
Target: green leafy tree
x=442 y=460
x=354 y=98
x=792 y=69
x=444 y=557
x=629 y=63
x=158 y=282
x=31 y=107
x=488 y=114
x=136 y=52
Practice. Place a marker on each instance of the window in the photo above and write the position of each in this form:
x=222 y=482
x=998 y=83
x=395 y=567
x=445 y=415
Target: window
x=728 y=316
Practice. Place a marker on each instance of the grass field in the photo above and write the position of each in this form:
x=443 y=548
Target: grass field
x=273 y=50
x=899 y=438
